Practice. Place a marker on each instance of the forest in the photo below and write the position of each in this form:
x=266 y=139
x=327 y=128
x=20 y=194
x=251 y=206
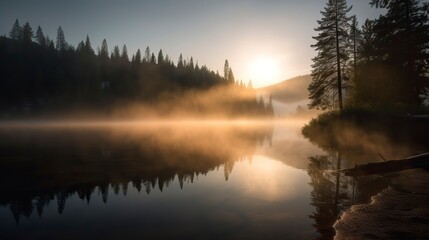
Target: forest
x=40 y=77
x=382 y=64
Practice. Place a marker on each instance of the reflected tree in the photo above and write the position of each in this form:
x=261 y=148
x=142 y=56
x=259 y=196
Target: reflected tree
x=329 y=195
x=333 y=192
x=86 y=170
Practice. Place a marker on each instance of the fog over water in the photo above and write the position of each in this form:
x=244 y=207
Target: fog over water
x=172 y=178
x=210 y=178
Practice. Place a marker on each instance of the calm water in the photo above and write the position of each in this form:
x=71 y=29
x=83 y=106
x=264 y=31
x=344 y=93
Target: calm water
x=212 y=180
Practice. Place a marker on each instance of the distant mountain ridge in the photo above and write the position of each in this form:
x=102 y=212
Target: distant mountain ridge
x=289 y=91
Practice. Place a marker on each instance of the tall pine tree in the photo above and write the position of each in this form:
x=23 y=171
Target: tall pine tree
x=146 y=58
x=332 y=53
x=104 y=51
x=88 y=47
x=116 y=55
x=160 y=57
x=40 y=38
x=138 y=57
x=15 y=32
x=226 y=70
x=180 y=62
x=124 y=55
x=27 y=33
x=61 y=44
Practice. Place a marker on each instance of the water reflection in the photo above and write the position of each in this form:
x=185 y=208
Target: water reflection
x=188 y=180
x=39 y=166
x=333 y=192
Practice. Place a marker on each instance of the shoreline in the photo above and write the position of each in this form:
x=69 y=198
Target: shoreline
x=399 y=211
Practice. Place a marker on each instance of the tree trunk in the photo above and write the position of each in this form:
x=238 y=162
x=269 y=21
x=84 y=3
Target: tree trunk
x=354 y=47
x=418 y=161
x=340 y=94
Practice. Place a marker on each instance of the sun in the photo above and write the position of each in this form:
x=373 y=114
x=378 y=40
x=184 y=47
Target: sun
x=264 y=71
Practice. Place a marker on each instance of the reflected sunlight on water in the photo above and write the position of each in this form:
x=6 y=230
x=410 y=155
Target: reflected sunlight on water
x=186 y=179
x=269 y=180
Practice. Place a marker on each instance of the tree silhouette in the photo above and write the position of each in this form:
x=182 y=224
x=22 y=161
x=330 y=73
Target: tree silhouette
x=226 y=70
x=160 y=57
x=116 y=53
x=40 y=79
x=138 y=57
x=80 y=47
x=61 y=44
x=27 y=33
x=15 y=32
x=124 y=54
x=332 y=45
x=146 y=58
x=104 y=51
x=88 y=48
x=40 y=38
x=180 y=62
x=402 y=35
x=191 y=63
x=394 y=52
x=231 y=78
x=153 y=59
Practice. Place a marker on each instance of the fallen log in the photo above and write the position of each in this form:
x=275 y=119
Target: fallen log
x=417 y=161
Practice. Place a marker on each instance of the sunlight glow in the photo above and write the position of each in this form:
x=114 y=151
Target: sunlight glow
x=269 y=179
x=265 y=71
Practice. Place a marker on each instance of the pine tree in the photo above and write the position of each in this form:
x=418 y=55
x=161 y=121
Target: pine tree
x=40 y=38
x=80 y=47
x=116 y=53
x=180 y=62
x=61 y=44
x=27 y=33
x=124 y=54
x=88 y=47
x=332 y=54
x=191 y=63
x=15 y=32
x=160 y=57
x=146 y=58
x=226 y=70
x=153 y=58
x=104 y=51
x=366 y=51
x=231 y=78
x=138 y=57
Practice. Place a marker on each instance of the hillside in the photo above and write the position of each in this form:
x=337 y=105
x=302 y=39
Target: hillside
x=289 y=91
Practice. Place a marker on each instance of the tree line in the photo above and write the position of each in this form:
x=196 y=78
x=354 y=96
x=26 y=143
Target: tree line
x=382 y=63
x=39 y=75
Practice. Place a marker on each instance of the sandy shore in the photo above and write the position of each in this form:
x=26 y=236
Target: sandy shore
x=400 y=211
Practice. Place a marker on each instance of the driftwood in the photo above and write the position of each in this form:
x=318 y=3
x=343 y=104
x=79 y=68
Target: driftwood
x=417 y=161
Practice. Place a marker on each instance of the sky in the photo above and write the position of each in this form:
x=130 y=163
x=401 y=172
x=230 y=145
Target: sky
x=264 y=41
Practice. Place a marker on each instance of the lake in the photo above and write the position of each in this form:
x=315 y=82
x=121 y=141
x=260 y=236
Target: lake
x=165 y=180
